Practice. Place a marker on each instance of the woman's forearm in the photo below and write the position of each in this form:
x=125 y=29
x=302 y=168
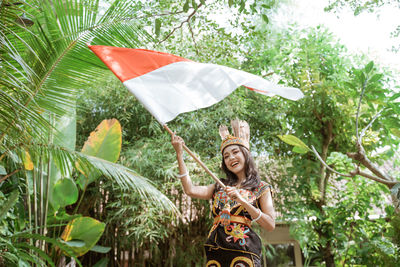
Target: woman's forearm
x=185 y=180
x=265 y=216
x=202 y=192
x=193 y=191
x=266 y=220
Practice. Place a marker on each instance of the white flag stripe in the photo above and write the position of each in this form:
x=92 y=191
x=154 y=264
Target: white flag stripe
x=186 y=86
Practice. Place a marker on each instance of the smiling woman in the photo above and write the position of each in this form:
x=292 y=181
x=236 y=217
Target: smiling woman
x=234 y=161
x=245 y=199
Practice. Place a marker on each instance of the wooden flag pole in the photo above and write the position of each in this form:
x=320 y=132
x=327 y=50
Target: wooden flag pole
x=197 y=159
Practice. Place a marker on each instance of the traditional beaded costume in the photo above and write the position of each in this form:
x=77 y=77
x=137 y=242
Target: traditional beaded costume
x=231 y=241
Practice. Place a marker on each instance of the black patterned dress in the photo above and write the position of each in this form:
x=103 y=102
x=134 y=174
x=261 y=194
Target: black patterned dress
x=231 y=241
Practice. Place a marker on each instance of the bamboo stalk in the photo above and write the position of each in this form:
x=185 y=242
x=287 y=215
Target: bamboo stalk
x=48 y=178
x=28 y=203
x=35 y=208
x=35 y=173
x=196 y=159
x=46 y=205
x=41 y=205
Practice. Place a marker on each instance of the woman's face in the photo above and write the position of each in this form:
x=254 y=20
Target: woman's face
x=234 y=159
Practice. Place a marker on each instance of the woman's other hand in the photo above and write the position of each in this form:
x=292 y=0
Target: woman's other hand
x=234 y=194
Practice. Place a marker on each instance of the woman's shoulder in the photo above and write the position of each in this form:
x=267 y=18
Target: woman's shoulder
x=218 y=190
x=262 y=188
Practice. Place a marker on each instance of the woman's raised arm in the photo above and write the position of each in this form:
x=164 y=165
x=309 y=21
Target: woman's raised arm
x=194 y=191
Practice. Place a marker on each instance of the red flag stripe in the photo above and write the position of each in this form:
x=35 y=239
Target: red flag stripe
x=128 y=63
x=256 y=90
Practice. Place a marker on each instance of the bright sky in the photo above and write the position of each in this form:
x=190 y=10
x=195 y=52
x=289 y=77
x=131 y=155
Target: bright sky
x=368 y=32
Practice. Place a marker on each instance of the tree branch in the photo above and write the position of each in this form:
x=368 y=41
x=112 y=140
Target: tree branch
x=8 y=175
x=360 y=155
x=327 y=176
x=194 y=40
x=268 y=74
x=156 y=15
x=327 y=133
x=370 y=123
x=364 y=86
x=180 y=26
x=326 y=165
x=363 y=159
x=357 y=171
x=390 y=184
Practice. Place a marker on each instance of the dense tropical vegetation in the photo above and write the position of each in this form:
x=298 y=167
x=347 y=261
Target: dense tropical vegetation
x=88 y=176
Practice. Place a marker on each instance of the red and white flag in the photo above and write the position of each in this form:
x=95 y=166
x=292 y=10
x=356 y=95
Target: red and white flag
x=168 y=85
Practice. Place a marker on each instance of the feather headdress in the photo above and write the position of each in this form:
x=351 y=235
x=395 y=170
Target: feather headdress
x=241 y=134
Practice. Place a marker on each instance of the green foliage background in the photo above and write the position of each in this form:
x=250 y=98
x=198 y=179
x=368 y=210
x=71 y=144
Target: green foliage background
x=329 y=214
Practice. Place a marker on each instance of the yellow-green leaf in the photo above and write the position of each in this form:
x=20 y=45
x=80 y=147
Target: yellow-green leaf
x=294 y=141
x=26 y=159
x=300 y=150
x=105 y=142
x=85 y=229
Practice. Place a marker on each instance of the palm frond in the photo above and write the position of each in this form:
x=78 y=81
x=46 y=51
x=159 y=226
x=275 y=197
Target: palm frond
x=46 y=66
x=126 y=178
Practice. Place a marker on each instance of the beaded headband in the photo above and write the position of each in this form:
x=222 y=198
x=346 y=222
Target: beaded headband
x=241 y=134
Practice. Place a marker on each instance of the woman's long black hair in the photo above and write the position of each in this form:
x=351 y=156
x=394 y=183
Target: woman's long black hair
x=252 y=177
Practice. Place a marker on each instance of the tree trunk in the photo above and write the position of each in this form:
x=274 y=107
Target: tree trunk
x=328 y=257
x=327 y=134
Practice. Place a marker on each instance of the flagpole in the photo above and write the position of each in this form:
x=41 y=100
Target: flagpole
x=197 y=159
